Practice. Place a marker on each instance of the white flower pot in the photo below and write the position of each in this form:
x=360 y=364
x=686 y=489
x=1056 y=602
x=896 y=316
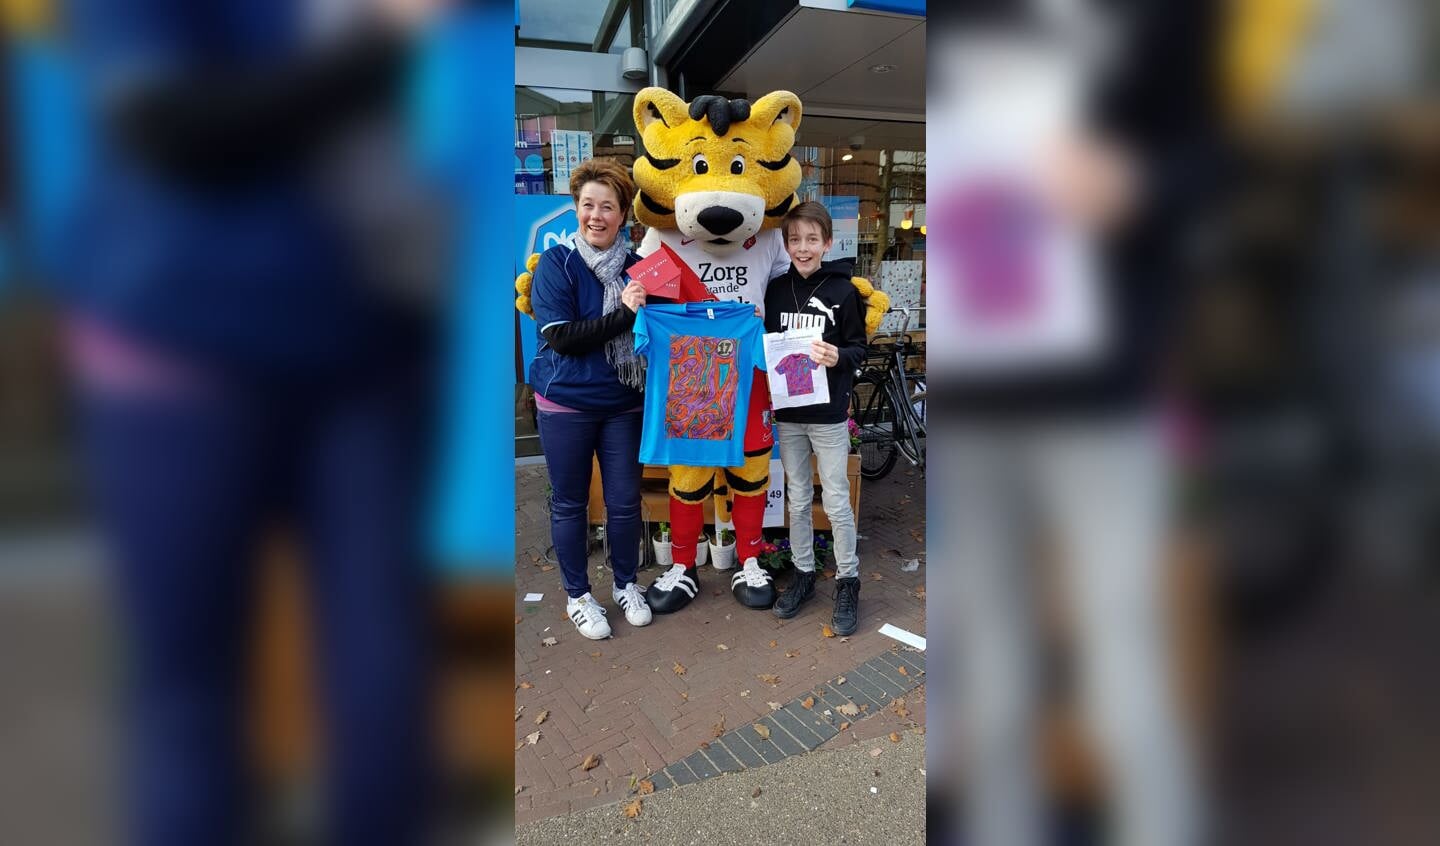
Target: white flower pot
x=664 y=553
x=722 y=557
x=701 y=551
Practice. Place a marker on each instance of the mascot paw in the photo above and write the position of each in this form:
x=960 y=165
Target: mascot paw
x=523 y=283
x=876 y=304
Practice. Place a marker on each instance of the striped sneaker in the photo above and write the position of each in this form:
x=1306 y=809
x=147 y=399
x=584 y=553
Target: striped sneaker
x=752 y=586
x=673 y=590
x=588 y=617
x=632 y=601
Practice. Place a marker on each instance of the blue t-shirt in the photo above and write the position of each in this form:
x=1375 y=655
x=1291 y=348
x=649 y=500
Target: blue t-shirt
x=700 y=361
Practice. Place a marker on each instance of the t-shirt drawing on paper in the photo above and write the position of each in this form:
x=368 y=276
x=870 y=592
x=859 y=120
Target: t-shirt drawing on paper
x=790 y=369
x=797 y=369
x=701 y=361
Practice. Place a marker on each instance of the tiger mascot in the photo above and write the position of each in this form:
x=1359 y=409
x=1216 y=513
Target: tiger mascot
x=714 y=182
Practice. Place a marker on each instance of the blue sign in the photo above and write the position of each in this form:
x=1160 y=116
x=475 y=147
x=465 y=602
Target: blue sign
x=903 y=7
x=541 y=222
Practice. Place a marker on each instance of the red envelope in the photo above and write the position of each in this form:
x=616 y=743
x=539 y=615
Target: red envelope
x=692 y=290
x=659 y=274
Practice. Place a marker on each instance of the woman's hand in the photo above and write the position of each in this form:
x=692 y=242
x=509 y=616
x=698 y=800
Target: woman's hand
x=823 y=354
x=633 y=296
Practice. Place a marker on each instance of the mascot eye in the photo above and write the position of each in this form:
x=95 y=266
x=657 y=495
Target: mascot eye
x=702 y=164
x=737 y=165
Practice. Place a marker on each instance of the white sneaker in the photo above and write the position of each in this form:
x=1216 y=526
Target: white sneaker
x=588 y=617
x=637 y=612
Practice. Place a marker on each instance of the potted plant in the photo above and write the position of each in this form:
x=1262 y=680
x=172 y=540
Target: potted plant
x=854 y=429
x=722 y=554
x=824 y=552
x=777 y=556
x=664 y=549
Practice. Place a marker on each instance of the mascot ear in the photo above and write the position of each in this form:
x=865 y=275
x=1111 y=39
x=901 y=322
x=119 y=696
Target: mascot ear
x=775 y=107
x=657 y=104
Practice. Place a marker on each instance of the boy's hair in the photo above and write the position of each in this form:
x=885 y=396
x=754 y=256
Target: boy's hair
x=812 y=211
x=611 y=174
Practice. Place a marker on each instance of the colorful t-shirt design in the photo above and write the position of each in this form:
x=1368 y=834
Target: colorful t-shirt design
x=798 y=370
x=703 y=384
x=701 y=360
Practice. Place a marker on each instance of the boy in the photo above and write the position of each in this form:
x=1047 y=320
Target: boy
x=816 y=293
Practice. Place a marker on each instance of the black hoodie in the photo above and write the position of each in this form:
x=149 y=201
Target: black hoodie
x=827 y=299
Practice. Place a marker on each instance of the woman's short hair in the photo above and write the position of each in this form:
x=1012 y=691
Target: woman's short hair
x=607 y=172
x=812 y=211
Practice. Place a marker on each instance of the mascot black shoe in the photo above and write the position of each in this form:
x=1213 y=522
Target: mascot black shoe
x=673 y=590
x=752 y=586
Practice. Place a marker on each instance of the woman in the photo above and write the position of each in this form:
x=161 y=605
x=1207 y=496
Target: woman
x=587 y=380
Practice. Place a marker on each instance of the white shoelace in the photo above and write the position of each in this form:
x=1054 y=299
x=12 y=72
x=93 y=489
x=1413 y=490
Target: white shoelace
x=592 y=611
x=752 y=574
x=630 y=597
x=671 y=580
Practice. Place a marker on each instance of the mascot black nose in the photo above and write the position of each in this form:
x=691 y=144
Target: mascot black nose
x=720 y=220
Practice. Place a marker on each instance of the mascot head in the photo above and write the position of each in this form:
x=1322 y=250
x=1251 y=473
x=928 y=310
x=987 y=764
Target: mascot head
x=717 y=170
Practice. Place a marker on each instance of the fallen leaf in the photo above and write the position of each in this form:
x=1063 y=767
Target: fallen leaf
x=679 y=668
x=807 y=703
x=547 y=568
x=774 y=643
x=894 y=737
x=645 y=787
x=704 y=744
x=632 y=809
x=840 y=680
x=532 y=738
x=902 y=671
x=844 y=726
x=542 y=717
x=844 y=640
x=517 y=713
x=744 y=693
x=519 y=620
x=774 y=706
x=684 y=697
x=898 y=706
x=768 y=678
x=864 y=708
x=762 y=731
x=719 y=728
x=595 y=654
x=519 y=746
x=633 y=782
x=849 y=709
x=755 y=794
x=518 y=788
x=722 y=647
x=876 y=577
x=920 y=593
x=792 y=653
x=526 y=685
x=590 y=763
x=595 y=792
x=549 y=641
x=826 y=631
x=875 y=753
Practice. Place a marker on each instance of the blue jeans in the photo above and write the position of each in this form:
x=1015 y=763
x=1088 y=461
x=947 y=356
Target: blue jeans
x=185 y=486
x=570 y=440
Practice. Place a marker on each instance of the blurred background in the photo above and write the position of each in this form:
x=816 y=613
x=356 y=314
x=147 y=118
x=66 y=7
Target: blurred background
x=1228 y=215
x=254 y=588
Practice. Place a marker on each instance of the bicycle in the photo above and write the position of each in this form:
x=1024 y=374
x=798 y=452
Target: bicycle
x=888 y=404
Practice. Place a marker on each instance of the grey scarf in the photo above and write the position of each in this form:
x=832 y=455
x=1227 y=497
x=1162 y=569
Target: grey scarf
x=609 y=267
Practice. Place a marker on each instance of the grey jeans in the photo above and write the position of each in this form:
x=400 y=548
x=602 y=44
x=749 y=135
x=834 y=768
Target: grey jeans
x=1100 y=491
x=830 y=443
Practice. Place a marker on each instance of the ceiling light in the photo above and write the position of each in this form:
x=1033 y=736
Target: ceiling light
x=847 y=157
x=882 y=68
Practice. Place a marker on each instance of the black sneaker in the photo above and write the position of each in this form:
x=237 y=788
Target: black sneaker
x=788 y=605
x=752 y=586
x=847 y=606
x=673 y=590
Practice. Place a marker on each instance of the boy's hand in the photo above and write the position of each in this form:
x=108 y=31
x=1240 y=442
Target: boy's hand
x=823 y=354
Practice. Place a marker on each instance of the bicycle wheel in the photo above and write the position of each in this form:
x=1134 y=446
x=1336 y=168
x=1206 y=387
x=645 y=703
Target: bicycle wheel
x=874 y=416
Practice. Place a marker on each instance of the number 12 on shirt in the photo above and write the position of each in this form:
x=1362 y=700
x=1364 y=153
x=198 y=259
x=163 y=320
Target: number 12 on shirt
x=795 y=379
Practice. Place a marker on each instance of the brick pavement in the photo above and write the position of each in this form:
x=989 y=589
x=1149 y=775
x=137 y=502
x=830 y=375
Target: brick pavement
x=647 y=698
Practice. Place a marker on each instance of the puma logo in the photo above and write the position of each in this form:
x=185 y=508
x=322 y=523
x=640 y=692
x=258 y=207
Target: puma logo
x=819 y=306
